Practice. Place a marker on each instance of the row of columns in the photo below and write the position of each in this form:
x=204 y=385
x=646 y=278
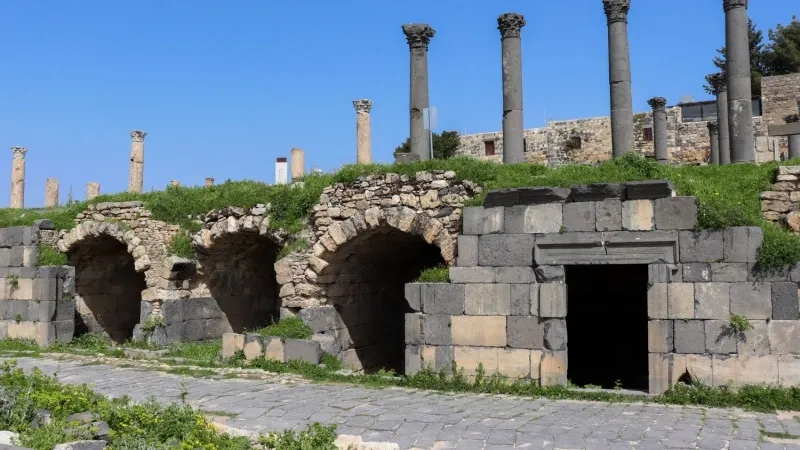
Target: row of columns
x=51 y=184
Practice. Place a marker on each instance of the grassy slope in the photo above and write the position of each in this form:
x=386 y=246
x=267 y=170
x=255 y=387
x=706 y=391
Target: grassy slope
x=728 y=195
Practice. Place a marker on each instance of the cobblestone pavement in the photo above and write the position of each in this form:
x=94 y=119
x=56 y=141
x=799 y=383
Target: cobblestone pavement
x=433 y=420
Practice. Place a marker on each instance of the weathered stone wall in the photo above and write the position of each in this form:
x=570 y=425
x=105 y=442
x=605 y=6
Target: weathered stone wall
x=780 y=202
x=780 y=97
x=506 y=305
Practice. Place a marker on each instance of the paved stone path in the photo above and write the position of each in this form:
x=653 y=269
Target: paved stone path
x=433 y=420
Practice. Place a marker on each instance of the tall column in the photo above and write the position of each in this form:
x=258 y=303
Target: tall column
x=659 y=105
x=136 y=173
x=51 y=193
x=298 y=163
x=713 y=135
x=510 y=26
x=619 y=74
x=209 y=181
x=419 y=36
x=92 y=190
x=719 y=82
x=174 y=183
x=794 y=139
x=740 y=102
x=18 y=177
x=363 y=131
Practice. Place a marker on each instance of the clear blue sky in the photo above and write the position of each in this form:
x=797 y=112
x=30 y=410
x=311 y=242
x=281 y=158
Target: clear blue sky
x=223 y=88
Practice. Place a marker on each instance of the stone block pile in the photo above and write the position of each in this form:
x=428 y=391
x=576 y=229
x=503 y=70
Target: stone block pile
x=274 y=348
x=780 y=203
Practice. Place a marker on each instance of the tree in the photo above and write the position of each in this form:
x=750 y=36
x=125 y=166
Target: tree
x=758 y=66
x=444 y=145
x=783 y=53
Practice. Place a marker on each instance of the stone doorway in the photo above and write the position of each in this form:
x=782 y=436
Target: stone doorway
x=607 y=325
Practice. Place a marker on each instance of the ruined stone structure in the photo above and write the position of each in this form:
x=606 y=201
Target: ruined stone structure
x=740 y=109
x=136 y=171
x=419 y=36
x=297 y=163
x=659 y=128
x=510 y=26
x=794 y=139
x=619 y=69
x=719 y=83
x=51 y=193
x=363 y=131
x=92 y=190
x=713 y=131
x=209 y=181
x=779 y=202
x=18 y=177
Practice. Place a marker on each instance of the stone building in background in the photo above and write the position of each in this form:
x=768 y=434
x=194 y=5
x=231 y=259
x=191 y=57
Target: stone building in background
x=588 y=141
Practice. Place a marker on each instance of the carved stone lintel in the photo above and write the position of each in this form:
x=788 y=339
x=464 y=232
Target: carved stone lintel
x=657 y=103
x=728 y=5
x=364 y=105
x=616 y=10
x=718 y=82
x=713 y=127
x=138 y=136
x=418 y=35
x=510 y=24
x=19 y=152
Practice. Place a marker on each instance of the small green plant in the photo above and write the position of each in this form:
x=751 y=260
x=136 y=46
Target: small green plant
x=316 y=437
x=12 y=281
x=739 y=324
x=296 y=245
x=18 y=318
x=123 y=226
x=439 y=274
x=618 y=385
x=562 y=230
x=184 y=392
x=287 y=328
x=152 y=322
x=181 y=245
x=50 y=256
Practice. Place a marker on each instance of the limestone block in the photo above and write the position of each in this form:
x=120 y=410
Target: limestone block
x=65 y=330
x=789 y=370
x=712 y=300
x=680 y=301
x=327 y=343
x=539 y=195
x=488 y=300
x=597 y=191
x=472 y=275
x=468 y=358
x=640 y=190
x=754 y=341
x=525 y=332
x=13 y=236
x=253 y=346
x=720 y=337
x=742 y=244
x=609 y=215
x=413 y=296
x=689 y=336
x=443 y=298
x=504 y=250
x=514 y=275
x=785 y=301
x=520 y=299
x=45 y=333
x=740 y=370
x=729 y=272
x=555 y=334
x=535 y=299
x=676 y=213
x=41 y=311
x=658 y=369
x=445 y=355
x=579 y=216
x=784 y=336
x=699 y=367
x=501 y=197
x=428 y=356
x=637 y=215
x=755 y=273
x=543 y=218
x=659 y=336
x=663 y=273
x=302 y=350
x=273 y=348
x=232 y=343
x=553 y=369
x=479 y=220
x=467 y=251
x=696 y=272
x=705 y=246
x=657 y=301
x=436 y=329
x=413 y=360
x=514 y=363
x=5 y=257
x=413 y=328
x=486 y=331
x=553 y=300
x=546 y=274
x=751 y=300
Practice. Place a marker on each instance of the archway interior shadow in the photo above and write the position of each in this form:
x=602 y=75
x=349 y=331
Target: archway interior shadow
x=240 y=274
x=108 y=288
x=368 y=276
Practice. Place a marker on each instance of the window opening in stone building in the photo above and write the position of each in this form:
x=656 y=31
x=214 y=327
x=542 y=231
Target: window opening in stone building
x=574 y=143
x=647 y=134
x=488 y=148
x=108 y=290
x=367 y=287
x=607 y=326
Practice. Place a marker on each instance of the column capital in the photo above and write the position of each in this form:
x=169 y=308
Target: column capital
x=657 y=103
x=19 y=151
x=713 y=127
x=418 y=35
x=616 y=10
x=792 y=118
x=718 y=82
x=363 y=105
x=510 y=24
x=728 y=5
x=138 y=136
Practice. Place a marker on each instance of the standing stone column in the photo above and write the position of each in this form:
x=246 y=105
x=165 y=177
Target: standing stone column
x=740 y=102
x=510 y=26
x=92 y=190
x=18 y=177
x=419 y=36
x=363 y=131
x=719 y=83
x=794 y=139
x=174 y=183
x=659 y=105
x=136 y=172
x=713 y=135
x=209 y=181
x=51 y=193
x=619 y=65
x=298 y=163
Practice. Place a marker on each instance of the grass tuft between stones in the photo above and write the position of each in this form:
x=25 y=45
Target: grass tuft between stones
x=439 y=274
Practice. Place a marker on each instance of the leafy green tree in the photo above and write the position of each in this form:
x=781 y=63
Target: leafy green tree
x=444 y=145
x=783 y=52
x=758 y=66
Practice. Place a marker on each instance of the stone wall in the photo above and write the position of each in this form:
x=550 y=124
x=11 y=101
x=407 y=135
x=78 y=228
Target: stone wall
x=779 y=203
x=507 y=304
x=780 y=96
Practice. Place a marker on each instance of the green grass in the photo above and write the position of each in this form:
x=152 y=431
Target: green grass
x=50 y=256
x=439 y=274
x=288 y=328
x=181 y=245
x=296 y=245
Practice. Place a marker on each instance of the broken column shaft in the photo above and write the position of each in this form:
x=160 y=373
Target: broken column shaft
x=510 y=26
x=92 y=190
x=719 y=83
x=737 y=68
x=18 y=177
x=619 y=65
x=713 y=135
x=363 y=131
x=659 y=105
x=136 y=172
x=51 y=193
x=419 y=36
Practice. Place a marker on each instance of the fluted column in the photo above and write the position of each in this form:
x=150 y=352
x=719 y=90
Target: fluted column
x=18 y=177
x=92 y=190
x=51 y=193
x=794 y=139
x=510 y=26
x=419 y=36
x=136 y=172
x=619 y=65
x=740 y=93
x=713 y=135
x=363 y=131
x=719 y=83
x=659 y=105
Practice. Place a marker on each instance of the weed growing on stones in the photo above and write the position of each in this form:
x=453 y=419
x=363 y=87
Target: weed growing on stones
x=739 y=324
x=181 y=245
x=50 y=256
x=296 y=245
x=440 y=274
x=288 y=328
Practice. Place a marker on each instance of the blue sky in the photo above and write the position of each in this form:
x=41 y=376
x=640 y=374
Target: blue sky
x=223 y=88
